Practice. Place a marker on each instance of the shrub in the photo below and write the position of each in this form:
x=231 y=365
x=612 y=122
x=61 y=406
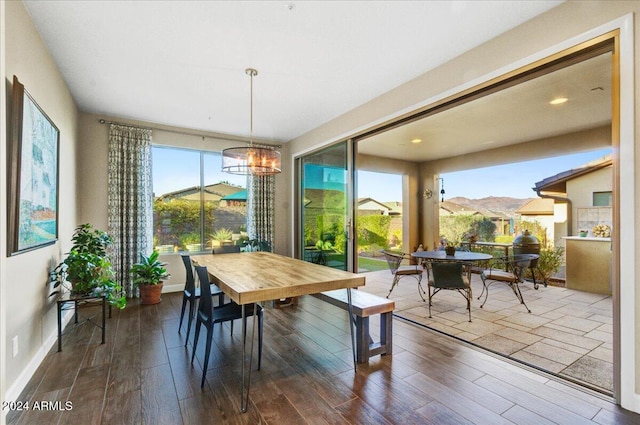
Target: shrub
x=374 y=229
x=550 y=261
x=456 y=228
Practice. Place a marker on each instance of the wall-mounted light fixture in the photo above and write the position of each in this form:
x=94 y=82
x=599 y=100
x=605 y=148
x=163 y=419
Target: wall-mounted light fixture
x=441 y=189
x=428 y=193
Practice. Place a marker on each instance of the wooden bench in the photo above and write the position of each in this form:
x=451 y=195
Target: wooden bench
x=364 y=306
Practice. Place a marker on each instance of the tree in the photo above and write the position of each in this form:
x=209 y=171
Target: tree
x=457 y=228
x=537 y=230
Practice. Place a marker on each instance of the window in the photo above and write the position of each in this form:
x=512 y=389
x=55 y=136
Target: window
x=195 y=205
x=602 y=199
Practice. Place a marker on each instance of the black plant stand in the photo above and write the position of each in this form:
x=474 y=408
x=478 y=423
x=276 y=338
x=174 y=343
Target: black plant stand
x=68 y=302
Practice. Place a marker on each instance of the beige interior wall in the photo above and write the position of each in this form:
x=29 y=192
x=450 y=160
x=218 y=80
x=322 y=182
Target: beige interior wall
x=93 y=176
x=28 y=312
x=3 y=214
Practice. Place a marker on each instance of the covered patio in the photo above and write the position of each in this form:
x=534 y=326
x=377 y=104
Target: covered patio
x=568 y=333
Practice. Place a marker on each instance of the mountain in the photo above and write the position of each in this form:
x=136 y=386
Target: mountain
x=493 y=203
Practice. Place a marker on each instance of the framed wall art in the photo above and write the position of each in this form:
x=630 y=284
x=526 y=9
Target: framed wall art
x=33 y=183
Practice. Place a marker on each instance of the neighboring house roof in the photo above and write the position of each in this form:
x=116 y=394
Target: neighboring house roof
x=453 y=208
x=395 y=207
x=537 y=206
x=213 y=192
x=494 y=215
x=324 y=199
x=558 y=182
x=370 y=202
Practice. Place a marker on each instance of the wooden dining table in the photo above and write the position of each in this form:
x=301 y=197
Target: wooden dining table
x=257 y=277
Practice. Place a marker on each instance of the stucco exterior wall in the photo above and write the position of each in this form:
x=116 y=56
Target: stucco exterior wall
x=580 y=191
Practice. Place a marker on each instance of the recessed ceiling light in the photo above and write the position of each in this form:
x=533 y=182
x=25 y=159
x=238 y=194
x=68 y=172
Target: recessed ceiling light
x=558 y=100
x=416 y=141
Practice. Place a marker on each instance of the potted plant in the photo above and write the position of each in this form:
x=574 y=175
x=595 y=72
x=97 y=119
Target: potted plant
x=450 y=249
x=221 y=236
x=87 y=270
x=191 y=242
x=148 y=275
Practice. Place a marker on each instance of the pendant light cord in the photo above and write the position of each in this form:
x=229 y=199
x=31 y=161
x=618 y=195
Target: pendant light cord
x=252 y=73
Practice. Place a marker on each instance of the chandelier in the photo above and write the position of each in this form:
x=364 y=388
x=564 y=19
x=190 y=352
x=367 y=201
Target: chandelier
x=251 y=160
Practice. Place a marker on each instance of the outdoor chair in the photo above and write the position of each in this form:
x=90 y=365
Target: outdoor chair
x=508 y=270
x=399 y=271
x=208 y=315
x=191 y=293
x=449 y=276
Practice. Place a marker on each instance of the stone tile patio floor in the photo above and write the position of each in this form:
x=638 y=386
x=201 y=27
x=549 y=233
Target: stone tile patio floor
x=568 y=333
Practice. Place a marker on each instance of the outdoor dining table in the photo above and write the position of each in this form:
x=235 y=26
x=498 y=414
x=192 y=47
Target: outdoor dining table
x=466 y=257
x=255 y=277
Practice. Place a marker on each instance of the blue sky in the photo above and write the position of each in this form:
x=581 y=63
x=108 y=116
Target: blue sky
x=183 y=170
x=513 y=180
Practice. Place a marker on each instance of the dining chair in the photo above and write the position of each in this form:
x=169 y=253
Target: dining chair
x=208 y=315
x=399 y=271
x=508 y=270
x=449 y=276
x=191 y=293
x=264 y=246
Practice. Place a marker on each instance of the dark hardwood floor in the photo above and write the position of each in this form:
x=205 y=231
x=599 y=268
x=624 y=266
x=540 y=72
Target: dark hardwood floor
x=143 y=375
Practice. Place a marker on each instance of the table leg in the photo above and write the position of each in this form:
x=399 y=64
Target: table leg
x=104 y=309
x=59 y=326
x=244 y=402
x=353 y=344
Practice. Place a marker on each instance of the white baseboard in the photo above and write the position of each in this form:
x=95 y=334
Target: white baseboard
x=21 y=382
x=172 y=288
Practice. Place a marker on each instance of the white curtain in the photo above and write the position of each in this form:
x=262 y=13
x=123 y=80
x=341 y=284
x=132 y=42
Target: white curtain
x=260 y=207
x=130 y=199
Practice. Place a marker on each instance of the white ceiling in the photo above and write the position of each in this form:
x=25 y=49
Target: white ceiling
x=182 y=63
x=514 y=115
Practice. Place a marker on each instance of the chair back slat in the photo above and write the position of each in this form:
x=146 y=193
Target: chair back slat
x=190 y=284
x=205 y=306
x=447 y=275
x=393 y=260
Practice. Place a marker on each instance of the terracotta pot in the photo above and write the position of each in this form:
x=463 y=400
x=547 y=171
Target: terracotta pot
x=150 y=294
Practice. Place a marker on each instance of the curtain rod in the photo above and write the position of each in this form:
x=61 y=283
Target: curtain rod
x=103 y=121
x=186 y=133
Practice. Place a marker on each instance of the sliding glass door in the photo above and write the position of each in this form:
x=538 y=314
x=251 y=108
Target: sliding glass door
x=324 y=199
